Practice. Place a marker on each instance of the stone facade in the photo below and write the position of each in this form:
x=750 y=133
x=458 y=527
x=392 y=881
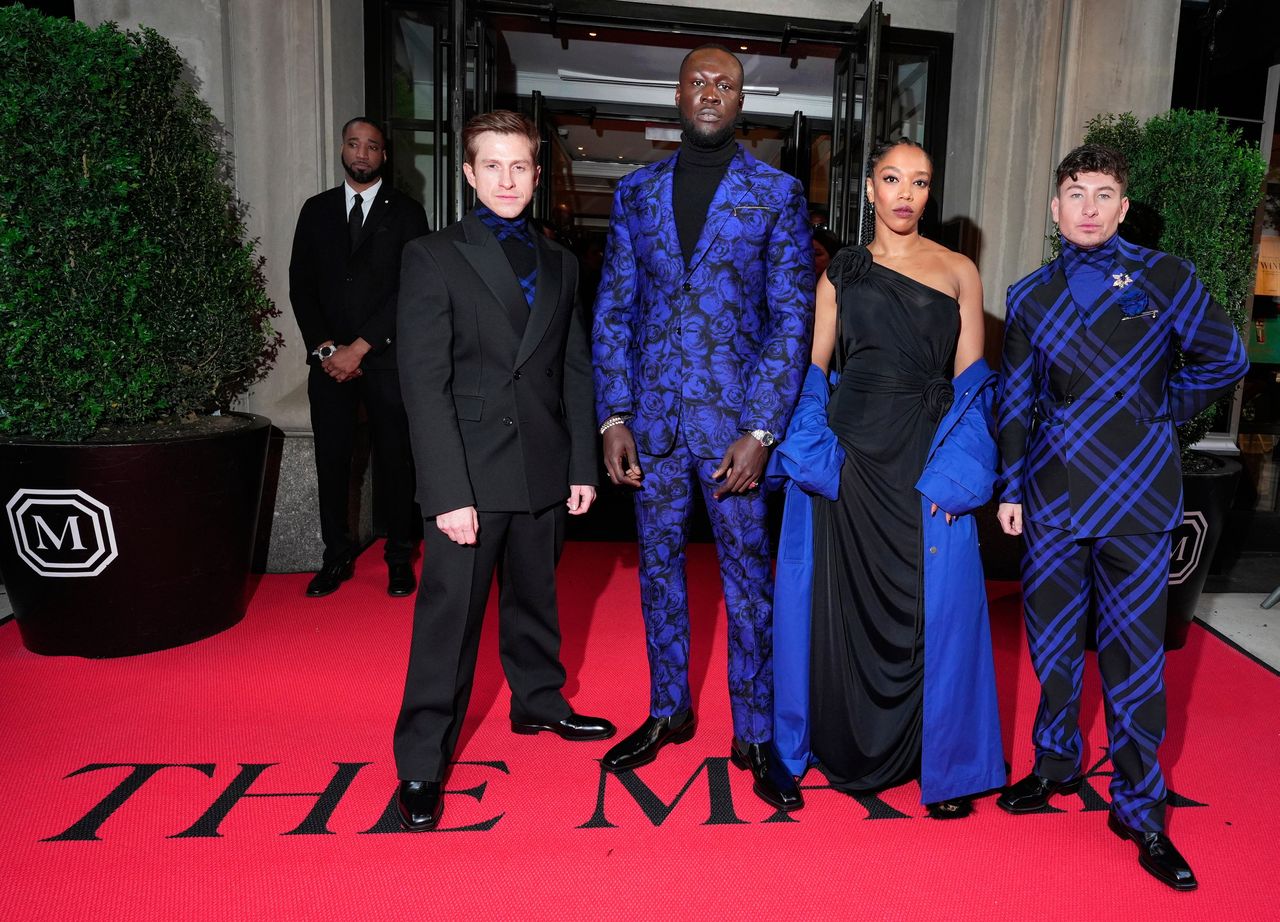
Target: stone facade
x=1027 y=74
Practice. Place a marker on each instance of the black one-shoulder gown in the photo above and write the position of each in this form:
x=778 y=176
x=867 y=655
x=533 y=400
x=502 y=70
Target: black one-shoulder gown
x=898 y=338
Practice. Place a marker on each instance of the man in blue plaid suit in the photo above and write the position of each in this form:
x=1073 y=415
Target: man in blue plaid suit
x=1089 y=401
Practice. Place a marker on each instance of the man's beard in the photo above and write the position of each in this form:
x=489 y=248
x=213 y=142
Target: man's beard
x=694 y=138
x=361 y=175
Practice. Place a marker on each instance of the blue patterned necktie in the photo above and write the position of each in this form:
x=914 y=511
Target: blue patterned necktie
x=1088 y=272
x=517 y=244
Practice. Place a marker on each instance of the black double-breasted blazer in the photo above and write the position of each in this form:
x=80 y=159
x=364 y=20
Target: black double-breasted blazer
x=339 y=293
x=498 y=393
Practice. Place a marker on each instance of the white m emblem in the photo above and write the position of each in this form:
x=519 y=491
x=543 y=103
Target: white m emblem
x=62 y=533
x=1187 y=546
x=43 y=531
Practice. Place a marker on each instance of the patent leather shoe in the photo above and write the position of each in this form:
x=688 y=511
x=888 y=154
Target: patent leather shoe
x=957 y=808
x=773 y=782
x=641 y=747
x=400 y=580
x=1032 y=793
x=575 y=727
x=420 y=804
x=330 y=577
x=1157 y=855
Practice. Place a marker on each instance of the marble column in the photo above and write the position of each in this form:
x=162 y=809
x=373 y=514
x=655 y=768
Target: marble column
x=1027 y=76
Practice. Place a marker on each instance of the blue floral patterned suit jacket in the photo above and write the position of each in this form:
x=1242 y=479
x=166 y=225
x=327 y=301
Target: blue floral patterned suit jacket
x=1087 y=408
x=718 y=346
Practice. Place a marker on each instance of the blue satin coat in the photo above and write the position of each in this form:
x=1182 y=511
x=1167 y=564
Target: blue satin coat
x=961 y=737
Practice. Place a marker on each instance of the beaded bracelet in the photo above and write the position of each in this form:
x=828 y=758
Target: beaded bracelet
x=616 y=420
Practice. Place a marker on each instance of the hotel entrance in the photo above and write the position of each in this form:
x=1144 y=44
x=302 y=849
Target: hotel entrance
x=599 y=78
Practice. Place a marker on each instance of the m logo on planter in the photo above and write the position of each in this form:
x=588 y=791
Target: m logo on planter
x=62 y=533
x=1188 y=544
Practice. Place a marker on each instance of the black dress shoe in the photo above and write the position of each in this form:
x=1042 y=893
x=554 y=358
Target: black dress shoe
x=400 y=580
x=1033 y=792
x=773 y=783
x=1157 y=855
x=575 y=727
x=641 y=747
x=330 y=577
x=420 y=804
x=957 y=808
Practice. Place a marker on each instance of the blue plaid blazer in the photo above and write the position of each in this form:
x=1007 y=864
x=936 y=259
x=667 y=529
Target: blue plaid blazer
x=721 y=345
x=1087 y=408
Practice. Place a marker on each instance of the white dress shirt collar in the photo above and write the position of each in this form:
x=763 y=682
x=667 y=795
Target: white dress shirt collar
x=366 y=197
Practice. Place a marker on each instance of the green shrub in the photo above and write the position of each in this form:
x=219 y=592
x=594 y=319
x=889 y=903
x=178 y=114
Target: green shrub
x=1194 y=189
x=128 y=292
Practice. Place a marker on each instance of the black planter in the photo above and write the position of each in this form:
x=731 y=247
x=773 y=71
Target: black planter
x=118 y=549
x=1206 y=499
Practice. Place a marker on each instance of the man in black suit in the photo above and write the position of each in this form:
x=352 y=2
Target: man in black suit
x=344 y=278
x=496 y=374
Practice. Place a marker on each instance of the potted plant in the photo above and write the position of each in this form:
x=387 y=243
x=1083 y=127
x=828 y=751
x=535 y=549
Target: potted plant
x=1194 y=191
x=133 y=313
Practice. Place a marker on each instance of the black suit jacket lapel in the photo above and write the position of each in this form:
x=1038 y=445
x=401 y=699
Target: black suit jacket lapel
x=546 y=298
x=377 y=214
x=484 y=254
x=332 y=226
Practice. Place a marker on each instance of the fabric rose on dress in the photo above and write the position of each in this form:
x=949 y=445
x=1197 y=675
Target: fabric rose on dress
x=937 y=397
x=848 y=266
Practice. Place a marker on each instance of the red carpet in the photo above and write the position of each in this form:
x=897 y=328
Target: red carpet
x=121 y=777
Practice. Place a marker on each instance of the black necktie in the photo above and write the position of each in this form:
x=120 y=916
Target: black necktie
x=355 y=219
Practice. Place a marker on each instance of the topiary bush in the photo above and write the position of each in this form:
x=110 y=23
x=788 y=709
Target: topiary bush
x=128 y=292
x=1194 y=190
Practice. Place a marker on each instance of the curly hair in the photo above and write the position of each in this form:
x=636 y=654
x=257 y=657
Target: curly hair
x=1093 y=158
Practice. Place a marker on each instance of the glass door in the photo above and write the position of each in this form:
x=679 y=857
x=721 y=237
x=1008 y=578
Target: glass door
x=542 y=195
x=796 y=149
x=474 y=82
x=854 y=106
x=415 y=104
x=437 y=66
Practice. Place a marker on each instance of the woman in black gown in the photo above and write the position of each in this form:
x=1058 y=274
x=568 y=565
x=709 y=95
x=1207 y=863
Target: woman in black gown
x=899 y=317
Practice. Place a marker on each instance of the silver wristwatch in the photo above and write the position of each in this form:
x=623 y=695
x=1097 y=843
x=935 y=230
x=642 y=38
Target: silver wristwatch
x=764 y=437
x=325 y=351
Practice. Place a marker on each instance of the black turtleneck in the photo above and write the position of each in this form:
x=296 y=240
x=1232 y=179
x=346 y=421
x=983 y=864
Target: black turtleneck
x=697 y=176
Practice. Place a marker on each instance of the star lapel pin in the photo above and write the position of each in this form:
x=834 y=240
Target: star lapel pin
x=1121 y=280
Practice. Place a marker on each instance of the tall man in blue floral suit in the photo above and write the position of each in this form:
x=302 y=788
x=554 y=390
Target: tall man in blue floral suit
x=1088 y=405
x=701 y=341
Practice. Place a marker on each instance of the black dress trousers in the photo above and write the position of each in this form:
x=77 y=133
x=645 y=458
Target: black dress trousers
x=334 y=415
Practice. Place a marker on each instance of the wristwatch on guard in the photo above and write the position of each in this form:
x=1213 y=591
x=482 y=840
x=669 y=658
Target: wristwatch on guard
x=764 y=437
x=325 y=351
